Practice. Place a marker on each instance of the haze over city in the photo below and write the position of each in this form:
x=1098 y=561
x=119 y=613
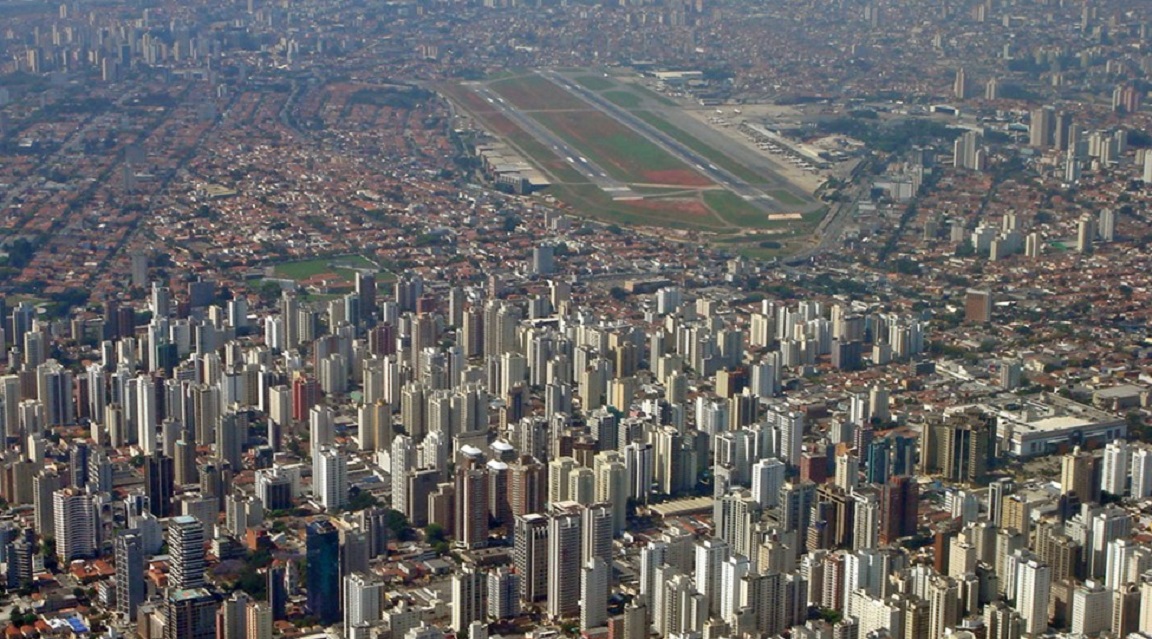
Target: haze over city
x=708 y=319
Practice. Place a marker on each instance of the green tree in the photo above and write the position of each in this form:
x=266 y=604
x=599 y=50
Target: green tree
x=269 y=291
x=435 y=533
x=398 y=526
x=361 y=499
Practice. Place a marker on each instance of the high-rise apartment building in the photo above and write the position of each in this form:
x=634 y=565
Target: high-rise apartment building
x=186 y=549
x=564 y=556
x=363 y=598
x=530 y=556
x=190 y=613
x=129 y=556
x=75 y=518
x=330 y=478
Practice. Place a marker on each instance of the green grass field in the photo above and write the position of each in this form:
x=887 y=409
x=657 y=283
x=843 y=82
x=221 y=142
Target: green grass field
x=694 y=143
x=623 y=153
x=595 y=82
x=506 y=73
x=652 y=95
x=624 y=99
x=736 y=210
x=787 y=197
x=343 y=265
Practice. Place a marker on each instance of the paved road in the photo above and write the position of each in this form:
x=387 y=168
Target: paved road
x=717 y=174
x=595 y=174
x=829 y=230
x=31 y=181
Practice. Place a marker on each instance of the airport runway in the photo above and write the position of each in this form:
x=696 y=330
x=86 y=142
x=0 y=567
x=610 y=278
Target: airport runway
x=595 y=174
x=719 y=175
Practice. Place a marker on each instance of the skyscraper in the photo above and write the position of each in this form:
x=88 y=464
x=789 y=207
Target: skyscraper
x=978 y=306
x=277 y=593
x=612 y=486
x=1141 y=473
x=129 y=573
x=190 y=614
x=330 y=478
x=75 y=524
x=44 y=487
x=231 y=435
x=322 y=542
x=232 y=617
x=146 y=414
x=789 y=427
x=596 y=524
x=503 y=594
x=543 y=259
x=526 y=483
x=966 y=152
x=1033 y=586
x=159 y=479
x=943 y=605
x=739 y=512
x=899 y=501
x=472 y=507
x=305 y=395
x=469 y=597
x=1106 y=225
x=259 y=620
x=564 y=550
x=1091 y=609
x=1114 y=475
x=530 y=555
x=710 y=556
x=363 y=595
x=1040 y=129
x=967 y=440
x=1085 y=234
x=366 y=291
x=1076 y=475
x=594 y=594
x=186 y=548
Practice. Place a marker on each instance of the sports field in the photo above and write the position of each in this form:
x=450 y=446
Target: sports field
x=344 y=266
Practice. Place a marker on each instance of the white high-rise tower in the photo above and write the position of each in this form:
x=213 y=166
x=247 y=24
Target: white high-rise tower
x=330 y=478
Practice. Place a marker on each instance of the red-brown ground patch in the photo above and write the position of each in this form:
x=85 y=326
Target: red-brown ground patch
x=467 y=98
x=678 y=177
x=534 y=93
x=679 y=208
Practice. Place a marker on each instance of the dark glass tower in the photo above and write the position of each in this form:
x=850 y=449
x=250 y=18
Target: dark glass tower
x=323 y=576
x=159 y=478
x=277 y=593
